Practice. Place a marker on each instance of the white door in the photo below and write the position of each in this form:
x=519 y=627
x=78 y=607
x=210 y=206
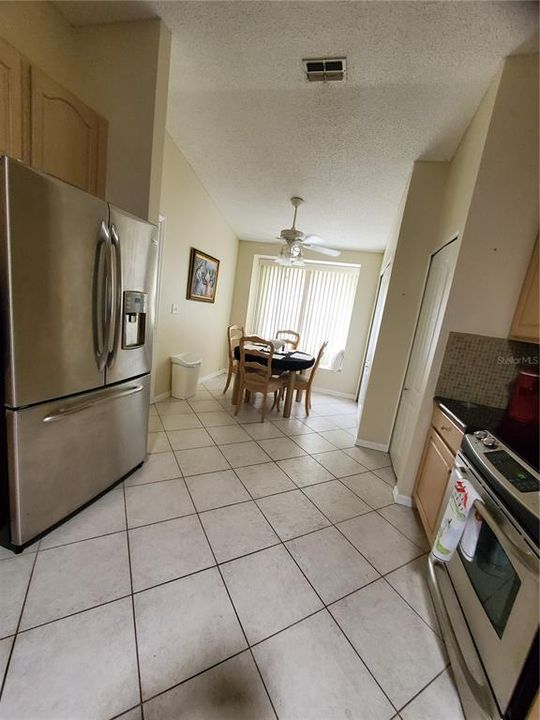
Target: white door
x=373 y=337
x=428 y=326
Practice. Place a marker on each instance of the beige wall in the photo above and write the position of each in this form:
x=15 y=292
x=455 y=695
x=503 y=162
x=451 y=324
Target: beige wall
x=415 y=240
x=463 y=169
x=345 y=382
x=192 y=220
x=502 y=222
x=492 y=198
x=120 y=71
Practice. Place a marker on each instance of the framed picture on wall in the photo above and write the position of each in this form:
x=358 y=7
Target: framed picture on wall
x=202 y=277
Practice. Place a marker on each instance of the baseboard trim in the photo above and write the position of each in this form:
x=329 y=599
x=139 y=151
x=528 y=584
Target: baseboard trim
x=335 y=393
x=383 y=447
x=158 y=398
x=212 y=375
x=402 y=499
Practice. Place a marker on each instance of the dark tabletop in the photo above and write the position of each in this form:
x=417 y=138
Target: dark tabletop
x=282 y=362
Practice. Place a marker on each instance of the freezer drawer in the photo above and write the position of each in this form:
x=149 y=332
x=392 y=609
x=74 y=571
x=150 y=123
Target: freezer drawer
x=63 y=453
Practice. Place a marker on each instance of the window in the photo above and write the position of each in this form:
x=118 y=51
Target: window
x=315 y=300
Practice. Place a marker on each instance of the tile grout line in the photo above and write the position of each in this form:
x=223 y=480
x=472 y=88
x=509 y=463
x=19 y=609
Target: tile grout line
x=186 y=680
x=133 y=607
x=425 y=687
x=382 y=575
x=339 y=479
x=16 y=633
x=127 y=530
x=234 y=608
x=120 y=715
x=324 y=605
x=334 y=525
x=238 y=557
x=209 y=567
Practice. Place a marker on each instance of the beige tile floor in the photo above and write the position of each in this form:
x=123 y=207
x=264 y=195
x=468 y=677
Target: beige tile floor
x=247 y=571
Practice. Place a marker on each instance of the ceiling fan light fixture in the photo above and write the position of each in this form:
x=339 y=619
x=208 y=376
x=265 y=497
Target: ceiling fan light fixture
x=295 y=240
x=290 y=255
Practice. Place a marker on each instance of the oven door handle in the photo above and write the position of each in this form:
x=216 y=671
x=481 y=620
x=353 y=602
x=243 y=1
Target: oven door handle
x=480 y=691
x=525 y=557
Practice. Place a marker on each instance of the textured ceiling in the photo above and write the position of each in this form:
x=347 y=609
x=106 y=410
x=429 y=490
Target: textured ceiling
x=256 y=132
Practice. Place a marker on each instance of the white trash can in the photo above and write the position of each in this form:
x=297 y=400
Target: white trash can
x=185 y=369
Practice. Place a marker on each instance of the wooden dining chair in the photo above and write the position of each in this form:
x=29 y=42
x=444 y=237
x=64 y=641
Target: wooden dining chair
x=290 y=337
x=234 y=333
x=255 y=376
x=304 y=382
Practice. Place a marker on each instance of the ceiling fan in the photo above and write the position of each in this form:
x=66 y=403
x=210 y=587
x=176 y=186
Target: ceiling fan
x=295 y=241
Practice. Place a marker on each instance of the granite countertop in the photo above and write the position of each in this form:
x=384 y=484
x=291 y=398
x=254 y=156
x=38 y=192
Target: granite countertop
x=470 y=416
x=522 y=439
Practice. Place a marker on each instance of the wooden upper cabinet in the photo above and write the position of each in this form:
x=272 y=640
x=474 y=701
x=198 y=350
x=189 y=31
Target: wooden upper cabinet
x=11 y=101
x=525 y=325
x=68 y=138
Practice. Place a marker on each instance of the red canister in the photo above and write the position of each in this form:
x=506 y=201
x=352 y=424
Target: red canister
x=524 y=398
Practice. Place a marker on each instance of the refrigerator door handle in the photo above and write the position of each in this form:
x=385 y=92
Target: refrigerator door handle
x=102 y=397
x=114 y=338
x=102 y=297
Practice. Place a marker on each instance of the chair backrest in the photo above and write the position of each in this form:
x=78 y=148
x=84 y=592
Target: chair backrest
x=264 y=352
x=290 y=337
x=234 y=333
x=317 y=362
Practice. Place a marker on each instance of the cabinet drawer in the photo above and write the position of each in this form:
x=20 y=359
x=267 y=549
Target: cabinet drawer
x=450 y=433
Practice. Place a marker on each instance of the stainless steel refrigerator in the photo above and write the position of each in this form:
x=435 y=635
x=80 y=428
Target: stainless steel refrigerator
x=77 y=314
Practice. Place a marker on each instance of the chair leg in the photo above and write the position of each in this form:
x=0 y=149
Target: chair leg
x=299 y=395
x=263 y=406
x=308 y=401
x=229 y=376
x=240 y=396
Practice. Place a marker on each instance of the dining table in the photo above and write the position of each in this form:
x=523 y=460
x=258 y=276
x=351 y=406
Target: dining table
x=291 y=362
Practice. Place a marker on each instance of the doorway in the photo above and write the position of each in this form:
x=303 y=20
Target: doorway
x=376 y=320
x=428 y=326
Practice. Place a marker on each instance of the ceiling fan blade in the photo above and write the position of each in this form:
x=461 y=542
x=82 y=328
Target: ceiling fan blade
x=323 y=250
x=313 y=239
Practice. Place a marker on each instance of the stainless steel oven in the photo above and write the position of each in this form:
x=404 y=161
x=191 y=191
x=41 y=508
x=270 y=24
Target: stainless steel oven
x=488 y=605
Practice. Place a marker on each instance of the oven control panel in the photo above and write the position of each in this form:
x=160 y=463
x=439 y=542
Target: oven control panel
x=504 y=462
x=513 y=471
x=504 y=470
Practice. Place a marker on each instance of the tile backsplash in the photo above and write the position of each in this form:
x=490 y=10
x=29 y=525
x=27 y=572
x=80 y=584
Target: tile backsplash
x=479 y=369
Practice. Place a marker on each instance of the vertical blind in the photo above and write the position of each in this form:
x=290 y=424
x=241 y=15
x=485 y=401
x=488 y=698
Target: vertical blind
x=316 y=301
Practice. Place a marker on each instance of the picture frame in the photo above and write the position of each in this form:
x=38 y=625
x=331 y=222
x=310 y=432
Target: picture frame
x=202 y=277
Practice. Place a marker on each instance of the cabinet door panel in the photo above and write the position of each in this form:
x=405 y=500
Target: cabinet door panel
x=66 y=135
x=11 y=122
x=432 y=481
x=525 y=325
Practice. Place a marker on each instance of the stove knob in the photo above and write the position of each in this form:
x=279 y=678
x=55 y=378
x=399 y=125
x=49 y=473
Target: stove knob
x=480 y=434
x=490 y=442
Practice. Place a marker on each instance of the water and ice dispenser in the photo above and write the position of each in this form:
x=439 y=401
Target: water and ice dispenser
x=134 y=319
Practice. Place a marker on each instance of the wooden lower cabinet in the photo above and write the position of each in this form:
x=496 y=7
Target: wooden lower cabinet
x=432 y=482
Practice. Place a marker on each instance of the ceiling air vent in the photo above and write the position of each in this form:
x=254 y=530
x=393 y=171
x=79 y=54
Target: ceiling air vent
x=325 y=69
